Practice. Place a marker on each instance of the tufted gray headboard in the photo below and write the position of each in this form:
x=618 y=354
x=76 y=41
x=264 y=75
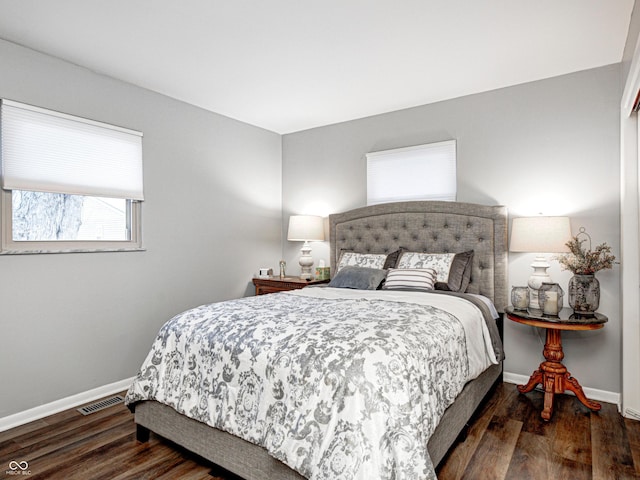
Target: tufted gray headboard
x=435 y=227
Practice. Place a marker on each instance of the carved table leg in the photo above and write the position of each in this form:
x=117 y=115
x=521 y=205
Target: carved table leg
x=549 y=391
x=553 y=370
x=573 y=385
x=553 y=347
x=534 y=380
x=554 y=377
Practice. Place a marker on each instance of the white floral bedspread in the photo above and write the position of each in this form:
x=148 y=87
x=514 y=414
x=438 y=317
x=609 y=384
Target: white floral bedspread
x=336 y=384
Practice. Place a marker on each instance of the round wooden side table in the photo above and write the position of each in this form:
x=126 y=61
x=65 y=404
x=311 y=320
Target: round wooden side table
x=552 y=374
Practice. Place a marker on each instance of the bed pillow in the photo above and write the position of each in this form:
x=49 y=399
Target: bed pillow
x=366 y=260
x=392 y=259
x=459 y=273
x=453 y=270
x=359 y=278
x=419 y=279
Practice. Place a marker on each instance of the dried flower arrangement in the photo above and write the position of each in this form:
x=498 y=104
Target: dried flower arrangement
x=586 y=262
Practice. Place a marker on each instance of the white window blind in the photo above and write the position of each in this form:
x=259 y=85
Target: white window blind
x=47 y=151
x=423 y=172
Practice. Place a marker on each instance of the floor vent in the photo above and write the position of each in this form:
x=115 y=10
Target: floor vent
x=101 y=405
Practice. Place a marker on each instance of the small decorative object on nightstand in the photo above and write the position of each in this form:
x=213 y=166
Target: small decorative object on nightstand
x=283 y=269
x=550 y=298
x=520 y=297
x=277 y=284
x=322 y=272
x=552 y=374
x=584 y=288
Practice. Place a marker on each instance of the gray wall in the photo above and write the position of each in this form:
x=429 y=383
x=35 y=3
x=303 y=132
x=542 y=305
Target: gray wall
x=73 y=322
x=550 y=146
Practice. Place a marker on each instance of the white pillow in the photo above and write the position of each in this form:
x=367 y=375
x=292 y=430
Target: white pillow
x=440 y=262
x=421 y=279
x=363 y=260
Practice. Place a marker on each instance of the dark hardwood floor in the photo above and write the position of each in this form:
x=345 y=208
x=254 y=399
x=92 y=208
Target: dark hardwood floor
x=508 y=440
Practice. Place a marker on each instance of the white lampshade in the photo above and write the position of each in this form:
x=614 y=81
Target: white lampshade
x=540 y=234
x=304 y=228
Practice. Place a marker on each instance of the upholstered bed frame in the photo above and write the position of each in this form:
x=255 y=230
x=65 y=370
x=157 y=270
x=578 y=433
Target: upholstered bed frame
x=437 y=227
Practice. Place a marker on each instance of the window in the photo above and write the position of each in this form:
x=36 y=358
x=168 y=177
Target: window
x=423 y=172
x=68 y=183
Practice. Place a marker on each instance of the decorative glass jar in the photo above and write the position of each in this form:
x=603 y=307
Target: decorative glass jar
x=520 y=297
x=550 y=298
x=584 y=294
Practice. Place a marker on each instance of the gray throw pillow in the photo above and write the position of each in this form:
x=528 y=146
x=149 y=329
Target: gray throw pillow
x=359 y=278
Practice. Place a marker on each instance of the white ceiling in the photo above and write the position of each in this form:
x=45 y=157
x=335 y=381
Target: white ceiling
x=290 y=65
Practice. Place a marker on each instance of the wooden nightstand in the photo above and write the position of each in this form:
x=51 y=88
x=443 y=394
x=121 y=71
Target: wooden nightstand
x=552 y=374
x=277 y=284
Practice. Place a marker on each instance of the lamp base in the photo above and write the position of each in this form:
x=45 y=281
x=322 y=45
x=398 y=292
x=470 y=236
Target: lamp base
x=537 y=278
x=306 y=262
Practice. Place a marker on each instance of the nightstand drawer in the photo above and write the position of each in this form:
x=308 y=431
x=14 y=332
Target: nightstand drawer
x=277 y=284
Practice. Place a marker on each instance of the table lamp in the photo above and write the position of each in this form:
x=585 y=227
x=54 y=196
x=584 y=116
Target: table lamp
x=539 y=235
x=306 y=228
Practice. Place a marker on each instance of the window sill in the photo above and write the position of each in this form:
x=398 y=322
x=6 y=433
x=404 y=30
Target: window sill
x=72 y=250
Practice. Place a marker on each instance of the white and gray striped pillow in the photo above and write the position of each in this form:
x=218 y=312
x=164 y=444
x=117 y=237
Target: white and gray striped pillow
x=421 y=279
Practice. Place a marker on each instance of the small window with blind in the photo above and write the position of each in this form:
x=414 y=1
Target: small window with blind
x=69 y=184
x=423 y=172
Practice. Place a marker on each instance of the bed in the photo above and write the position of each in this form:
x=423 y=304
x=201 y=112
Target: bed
x=394 y=228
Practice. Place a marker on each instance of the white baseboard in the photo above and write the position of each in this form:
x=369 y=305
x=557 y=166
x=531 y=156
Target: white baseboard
x=631 y=413
x=47 y=409
x=591 y=393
